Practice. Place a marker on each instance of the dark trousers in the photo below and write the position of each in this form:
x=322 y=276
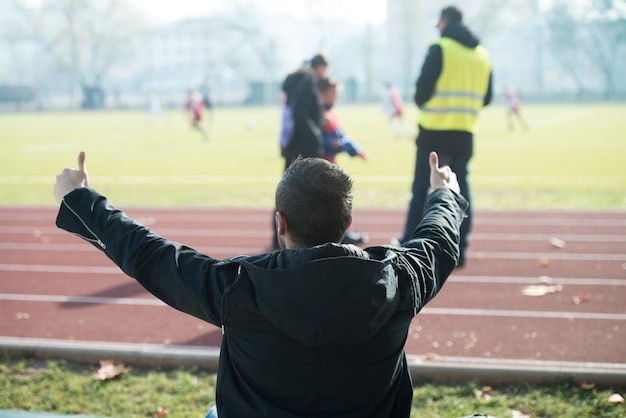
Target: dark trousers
x=421 y=187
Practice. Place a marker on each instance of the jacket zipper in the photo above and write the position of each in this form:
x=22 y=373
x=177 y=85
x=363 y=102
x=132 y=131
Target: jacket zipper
x=96 y=240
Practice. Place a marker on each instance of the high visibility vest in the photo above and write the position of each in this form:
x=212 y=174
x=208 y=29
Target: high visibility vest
x=460 y=90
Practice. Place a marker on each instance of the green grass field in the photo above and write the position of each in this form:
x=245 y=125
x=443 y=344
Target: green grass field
x=573 y=157
x=67 y=387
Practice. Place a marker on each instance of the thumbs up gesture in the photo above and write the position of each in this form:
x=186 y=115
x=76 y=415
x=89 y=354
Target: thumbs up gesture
x=70 y=179
x=441 y=177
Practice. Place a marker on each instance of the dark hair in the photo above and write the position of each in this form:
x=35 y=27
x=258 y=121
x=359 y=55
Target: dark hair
x=318 y=60
x=315 y=198
x=452 y=14
x=326 y=83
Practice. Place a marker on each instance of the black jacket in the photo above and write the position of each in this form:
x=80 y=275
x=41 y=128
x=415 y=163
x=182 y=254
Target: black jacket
x=303 y=96
x=316 y=332
x=445 y=142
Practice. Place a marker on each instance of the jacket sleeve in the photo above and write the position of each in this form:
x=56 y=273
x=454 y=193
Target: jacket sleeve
x=431 y=70
x=489 y=94
x=178 y=275
x=432 y=252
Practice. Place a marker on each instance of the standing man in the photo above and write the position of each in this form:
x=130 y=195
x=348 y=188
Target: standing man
x=455 y=83
x=305 y=115
x=307 y=112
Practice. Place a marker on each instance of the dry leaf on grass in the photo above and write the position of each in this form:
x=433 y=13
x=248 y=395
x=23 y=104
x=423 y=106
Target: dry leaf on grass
x=616 y=398
x=160 y=412
x=520 y=414
x=484 y=394
x=541 y=289
x=587 y=386
x=109 y=370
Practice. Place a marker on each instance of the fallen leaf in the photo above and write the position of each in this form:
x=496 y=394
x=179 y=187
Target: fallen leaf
x=556 y=242
x=587 y=386
x=580 y=299
x=541 y=289
x=430 y=356
x=616 y=398
x=482 y=395
x=22 y=315
x=108 y=370
x=161 y=412
x=544 y=262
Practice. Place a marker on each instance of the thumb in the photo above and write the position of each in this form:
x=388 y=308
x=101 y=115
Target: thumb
x=81 y=162
x=82 y=166
x=434 y=162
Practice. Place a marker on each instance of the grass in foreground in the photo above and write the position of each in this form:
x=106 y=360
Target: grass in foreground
x=65 y=387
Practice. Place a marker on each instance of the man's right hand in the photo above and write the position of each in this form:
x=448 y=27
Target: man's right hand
x=70 y=179
x=442 y=177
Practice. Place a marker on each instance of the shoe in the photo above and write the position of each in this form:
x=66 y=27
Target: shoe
x=353 y=237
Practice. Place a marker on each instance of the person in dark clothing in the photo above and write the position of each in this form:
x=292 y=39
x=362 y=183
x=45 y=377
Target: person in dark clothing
x=305 y=116
x=303 y=97
x=316 y=329
x=454 y=84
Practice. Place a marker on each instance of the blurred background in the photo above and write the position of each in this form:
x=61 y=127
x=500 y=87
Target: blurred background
x=116 y=54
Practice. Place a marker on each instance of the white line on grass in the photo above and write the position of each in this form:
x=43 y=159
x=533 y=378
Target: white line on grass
x=534 y=181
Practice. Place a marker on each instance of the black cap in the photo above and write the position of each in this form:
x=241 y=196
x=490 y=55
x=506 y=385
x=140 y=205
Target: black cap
x=452 y=14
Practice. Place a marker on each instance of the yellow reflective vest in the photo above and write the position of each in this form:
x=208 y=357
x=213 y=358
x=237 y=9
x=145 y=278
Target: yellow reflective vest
x=460 y=90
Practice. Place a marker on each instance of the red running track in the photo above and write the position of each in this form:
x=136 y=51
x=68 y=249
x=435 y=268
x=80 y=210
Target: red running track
x=54 y=287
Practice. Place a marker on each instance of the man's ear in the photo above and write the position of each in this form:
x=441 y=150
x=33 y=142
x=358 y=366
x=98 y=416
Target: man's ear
x=349 y=223
x=281 y=224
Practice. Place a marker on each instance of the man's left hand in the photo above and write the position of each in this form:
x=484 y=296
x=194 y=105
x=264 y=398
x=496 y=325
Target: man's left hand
x=70 y=179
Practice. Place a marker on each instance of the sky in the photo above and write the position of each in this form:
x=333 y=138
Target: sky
x=353 y=10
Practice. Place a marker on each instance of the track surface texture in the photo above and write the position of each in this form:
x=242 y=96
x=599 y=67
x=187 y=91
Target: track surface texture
x=54 y=288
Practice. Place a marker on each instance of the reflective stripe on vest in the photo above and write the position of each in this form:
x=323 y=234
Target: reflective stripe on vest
x=460 y=90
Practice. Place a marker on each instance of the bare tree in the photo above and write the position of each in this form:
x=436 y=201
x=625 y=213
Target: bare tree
x=83 y=38
x=592 y=32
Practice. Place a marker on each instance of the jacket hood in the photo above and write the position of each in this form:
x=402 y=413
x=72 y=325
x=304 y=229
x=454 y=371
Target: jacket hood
x=320 y=296
x=462 y=34
x=293 y=79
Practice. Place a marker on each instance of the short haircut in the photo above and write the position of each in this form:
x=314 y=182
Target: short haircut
x=319 y=60
x=452 y=14
x=326 y=83
x=315 y=198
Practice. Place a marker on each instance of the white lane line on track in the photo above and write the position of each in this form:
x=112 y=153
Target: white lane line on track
x=575 y=219
x=264 y=233
x=523 y=314
x=38 y=268
x=484 y=255
x=426 y=311
x=583 y=281
x=81 y=299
